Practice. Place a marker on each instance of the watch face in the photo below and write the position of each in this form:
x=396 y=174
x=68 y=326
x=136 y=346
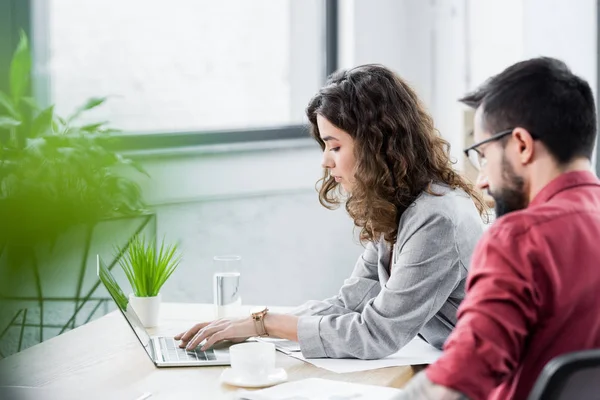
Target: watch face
x=256 y=310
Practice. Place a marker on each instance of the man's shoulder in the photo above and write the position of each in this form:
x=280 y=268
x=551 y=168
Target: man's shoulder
x=532 y=219
x=512 y=225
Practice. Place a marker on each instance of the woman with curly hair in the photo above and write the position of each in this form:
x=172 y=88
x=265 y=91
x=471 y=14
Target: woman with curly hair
x=419 y=220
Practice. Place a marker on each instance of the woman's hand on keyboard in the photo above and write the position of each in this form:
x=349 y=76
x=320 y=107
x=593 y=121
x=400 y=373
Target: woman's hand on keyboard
x=236 y=330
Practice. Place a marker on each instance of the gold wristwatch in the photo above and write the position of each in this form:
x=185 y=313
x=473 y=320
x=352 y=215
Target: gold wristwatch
x=258 y=316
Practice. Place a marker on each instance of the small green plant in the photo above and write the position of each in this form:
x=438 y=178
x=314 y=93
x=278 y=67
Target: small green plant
x=148 y=269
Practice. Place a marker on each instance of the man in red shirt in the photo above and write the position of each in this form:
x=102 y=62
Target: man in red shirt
x=533 y=291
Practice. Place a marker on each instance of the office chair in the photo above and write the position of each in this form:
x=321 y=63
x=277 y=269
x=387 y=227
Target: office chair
x=570 y=376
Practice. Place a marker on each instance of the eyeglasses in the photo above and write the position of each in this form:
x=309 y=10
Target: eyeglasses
x=476 y=157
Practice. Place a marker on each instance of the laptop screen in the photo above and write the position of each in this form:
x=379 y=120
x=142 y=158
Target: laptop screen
x=122 y=302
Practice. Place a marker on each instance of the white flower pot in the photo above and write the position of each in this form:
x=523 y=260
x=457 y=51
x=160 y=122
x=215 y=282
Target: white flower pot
x=146 y=308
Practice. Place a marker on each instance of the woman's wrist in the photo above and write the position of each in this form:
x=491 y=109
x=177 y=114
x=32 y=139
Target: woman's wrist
x=283 y=326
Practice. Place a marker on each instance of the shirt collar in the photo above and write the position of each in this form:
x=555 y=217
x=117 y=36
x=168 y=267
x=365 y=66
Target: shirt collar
x=564 y=181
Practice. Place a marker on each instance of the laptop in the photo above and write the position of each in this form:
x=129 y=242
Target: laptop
x=164 y=351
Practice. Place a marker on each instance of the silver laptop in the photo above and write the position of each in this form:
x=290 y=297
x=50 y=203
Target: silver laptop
x=164 y=351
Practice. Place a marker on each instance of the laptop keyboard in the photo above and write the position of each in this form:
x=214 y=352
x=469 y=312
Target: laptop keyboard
x=172 y=352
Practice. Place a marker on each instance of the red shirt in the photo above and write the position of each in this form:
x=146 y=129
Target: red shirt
x=533 y=293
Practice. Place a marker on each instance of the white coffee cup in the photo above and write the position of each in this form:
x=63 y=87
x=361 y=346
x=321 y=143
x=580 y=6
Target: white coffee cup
x=253 y=359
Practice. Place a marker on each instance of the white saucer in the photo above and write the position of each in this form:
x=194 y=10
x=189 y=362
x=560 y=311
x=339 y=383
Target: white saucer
x=234 y=378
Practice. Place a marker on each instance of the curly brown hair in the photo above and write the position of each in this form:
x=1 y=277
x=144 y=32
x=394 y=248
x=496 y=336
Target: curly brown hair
x=398 y=151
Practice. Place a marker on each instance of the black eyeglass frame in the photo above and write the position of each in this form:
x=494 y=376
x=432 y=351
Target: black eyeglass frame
x=492 y=138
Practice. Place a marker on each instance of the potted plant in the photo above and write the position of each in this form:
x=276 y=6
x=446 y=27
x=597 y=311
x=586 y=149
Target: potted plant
x=147 y=269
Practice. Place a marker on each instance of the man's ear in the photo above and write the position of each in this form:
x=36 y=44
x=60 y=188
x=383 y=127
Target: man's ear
x=525 y=145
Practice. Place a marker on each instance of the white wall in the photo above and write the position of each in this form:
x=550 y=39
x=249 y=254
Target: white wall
x=494 y=38
x=234 y=171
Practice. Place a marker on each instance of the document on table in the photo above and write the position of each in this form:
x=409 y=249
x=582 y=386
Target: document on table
x=320 y=389
x=416 y=352
x=283 y=345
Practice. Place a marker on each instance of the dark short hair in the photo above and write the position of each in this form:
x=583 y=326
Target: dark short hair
x=543 y=96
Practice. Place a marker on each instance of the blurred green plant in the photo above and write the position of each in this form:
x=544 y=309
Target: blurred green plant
x=56 y=172
x=147 y=268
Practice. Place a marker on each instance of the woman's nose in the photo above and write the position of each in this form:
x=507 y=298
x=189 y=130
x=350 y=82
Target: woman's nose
x=326 y=161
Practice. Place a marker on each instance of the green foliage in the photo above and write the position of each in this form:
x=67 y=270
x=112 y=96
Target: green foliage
x=56 y=172
x=148 y=269
x=20 y=69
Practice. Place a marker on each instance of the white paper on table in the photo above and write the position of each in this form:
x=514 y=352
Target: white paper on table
x=416 y=352
x=283 y=345
x=320 y=389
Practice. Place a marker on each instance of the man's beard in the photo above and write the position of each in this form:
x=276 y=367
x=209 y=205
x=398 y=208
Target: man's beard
x=511 y=197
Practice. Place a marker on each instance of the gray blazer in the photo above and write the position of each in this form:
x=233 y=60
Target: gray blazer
x=375 y=314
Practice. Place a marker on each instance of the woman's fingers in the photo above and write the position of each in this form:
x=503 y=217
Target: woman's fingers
x=205 y=332
x=217 y=337
x=190 y=333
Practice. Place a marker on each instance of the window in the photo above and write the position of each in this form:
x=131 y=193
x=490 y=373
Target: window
x=181 y=65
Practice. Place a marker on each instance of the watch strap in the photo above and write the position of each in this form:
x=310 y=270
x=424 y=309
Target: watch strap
x=259 y=322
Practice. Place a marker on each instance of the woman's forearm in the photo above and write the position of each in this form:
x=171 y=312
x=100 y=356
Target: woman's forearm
x=282 y=326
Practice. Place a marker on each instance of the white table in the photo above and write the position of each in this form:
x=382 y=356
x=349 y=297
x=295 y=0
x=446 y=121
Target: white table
x=103 y=359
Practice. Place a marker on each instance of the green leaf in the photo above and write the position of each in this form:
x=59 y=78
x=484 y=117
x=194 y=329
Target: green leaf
x=43 y=122
x=59 y=125
x=31 y=102
x=109 y=131
x=20 y=69
x=8 y=122
x=6 y=103
x=138 y=167
x=35 y=146
x=92 y=127
x=91 y=103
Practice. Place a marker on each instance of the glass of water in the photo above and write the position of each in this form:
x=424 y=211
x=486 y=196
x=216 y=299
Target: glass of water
x=226 y=285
